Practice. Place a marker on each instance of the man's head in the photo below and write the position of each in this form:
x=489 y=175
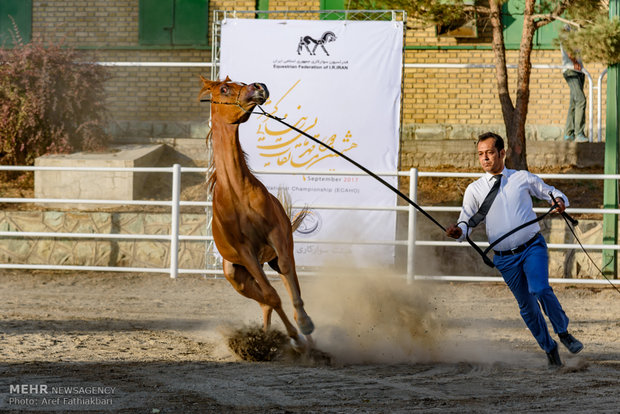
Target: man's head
x=491 y=152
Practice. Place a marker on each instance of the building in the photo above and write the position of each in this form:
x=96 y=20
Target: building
x=439 y=103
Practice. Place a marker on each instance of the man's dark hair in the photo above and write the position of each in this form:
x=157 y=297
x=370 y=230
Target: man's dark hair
x=499 y=141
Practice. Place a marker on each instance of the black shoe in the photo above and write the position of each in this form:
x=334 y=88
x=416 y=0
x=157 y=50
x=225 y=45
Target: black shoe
x=570 y=342
x=554 y=357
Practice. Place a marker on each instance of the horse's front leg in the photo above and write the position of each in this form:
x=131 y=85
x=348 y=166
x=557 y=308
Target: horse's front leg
x=286 y=267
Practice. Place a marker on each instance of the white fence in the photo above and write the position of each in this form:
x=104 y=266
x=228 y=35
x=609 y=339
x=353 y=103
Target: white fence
x=175 y=204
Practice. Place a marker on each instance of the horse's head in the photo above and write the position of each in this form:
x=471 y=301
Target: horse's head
x=233 y=101
x=328 y=37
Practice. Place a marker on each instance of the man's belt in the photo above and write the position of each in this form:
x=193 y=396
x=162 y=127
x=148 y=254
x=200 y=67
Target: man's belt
x=517 y=249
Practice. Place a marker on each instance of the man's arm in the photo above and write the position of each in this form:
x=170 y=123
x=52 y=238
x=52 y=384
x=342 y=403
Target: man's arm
x=470 y=206
x=541 y=190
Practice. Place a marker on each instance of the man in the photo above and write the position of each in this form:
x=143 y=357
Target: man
x=575 y=78
x=522 y=257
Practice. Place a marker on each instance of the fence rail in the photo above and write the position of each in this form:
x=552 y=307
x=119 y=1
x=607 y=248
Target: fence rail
x=175 y=203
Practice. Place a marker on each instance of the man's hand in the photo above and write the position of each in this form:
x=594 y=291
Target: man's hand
x=454 y=231
x=560 y=205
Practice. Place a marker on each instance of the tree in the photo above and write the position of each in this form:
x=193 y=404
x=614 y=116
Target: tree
x=49 y=102
x=590 y=16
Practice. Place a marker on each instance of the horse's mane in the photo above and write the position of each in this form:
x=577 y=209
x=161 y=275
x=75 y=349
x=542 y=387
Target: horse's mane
x=211 y=173
x=211 y=176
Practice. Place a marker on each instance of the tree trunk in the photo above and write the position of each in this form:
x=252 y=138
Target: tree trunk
x=524 y=71
x=514 y=114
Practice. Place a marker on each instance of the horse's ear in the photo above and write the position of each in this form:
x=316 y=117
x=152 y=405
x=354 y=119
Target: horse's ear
x=206 y=83
x=206 y=87
x=227 y=79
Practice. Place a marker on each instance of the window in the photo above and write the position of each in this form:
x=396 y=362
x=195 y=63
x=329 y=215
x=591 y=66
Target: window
x=173 y=22
x=20 y=12
x=512 y=19
x=332 y=5
x=262 y=5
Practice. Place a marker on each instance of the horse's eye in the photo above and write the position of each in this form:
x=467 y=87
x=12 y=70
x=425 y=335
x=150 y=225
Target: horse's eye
x=224 y=89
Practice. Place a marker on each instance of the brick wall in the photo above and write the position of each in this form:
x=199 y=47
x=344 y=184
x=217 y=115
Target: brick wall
x=449 y=96
x=90 y=23
x=107 y=30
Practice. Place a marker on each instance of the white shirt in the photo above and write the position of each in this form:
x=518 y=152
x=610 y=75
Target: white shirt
x=511 y=208
x=567 y=63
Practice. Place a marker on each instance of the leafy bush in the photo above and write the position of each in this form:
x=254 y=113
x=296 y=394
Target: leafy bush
x=49 y=103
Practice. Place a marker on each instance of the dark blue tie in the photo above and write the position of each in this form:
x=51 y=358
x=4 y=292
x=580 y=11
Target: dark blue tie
x=486 y=204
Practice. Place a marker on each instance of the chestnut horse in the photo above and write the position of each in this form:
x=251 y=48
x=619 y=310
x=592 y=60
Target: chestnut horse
x=250 y=226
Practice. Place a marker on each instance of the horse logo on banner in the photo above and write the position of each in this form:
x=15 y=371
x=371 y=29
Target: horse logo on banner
x=306 y=41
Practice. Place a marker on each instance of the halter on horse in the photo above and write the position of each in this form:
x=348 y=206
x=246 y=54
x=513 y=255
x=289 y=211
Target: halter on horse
x=250 y=226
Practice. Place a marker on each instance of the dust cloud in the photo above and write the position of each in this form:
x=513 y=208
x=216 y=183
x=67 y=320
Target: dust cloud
x=366 y=316
x=373 y=317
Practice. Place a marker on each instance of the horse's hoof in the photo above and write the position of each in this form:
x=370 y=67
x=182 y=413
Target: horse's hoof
x=306 y=326
x=300 y=344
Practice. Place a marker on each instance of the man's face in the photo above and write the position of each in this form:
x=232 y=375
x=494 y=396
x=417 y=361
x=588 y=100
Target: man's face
x=491 y=160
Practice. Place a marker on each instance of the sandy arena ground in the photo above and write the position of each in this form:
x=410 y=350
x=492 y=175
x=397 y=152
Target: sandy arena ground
x=145 y=343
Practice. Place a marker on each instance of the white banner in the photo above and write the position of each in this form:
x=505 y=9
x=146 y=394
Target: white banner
x=340 y=82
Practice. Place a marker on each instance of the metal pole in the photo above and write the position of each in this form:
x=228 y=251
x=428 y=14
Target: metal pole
x=610 y=187
x=590 y=104
x=174 y=221
x=600 y=105
x=411 y=228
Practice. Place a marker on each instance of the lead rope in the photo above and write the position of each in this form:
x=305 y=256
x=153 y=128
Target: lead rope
x=570 y=223
x=572 y=230
x=483 y=253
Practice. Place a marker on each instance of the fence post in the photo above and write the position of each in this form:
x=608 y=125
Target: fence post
x=411 y=228
x=174 y=221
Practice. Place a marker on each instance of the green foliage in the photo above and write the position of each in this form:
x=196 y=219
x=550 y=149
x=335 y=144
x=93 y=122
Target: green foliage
x=49 y=102
x=596 y=42
x=583 y=12
x=447 y=13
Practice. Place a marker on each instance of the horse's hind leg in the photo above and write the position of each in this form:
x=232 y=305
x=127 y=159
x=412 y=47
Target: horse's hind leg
x=244 y=283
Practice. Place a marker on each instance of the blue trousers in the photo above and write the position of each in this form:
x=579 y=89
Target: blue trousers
x=527 y=276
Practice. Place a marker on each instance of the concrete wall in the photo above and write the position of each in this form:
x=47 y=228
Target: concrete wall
x=427 y=153
x=96 y=185
x=85 y=252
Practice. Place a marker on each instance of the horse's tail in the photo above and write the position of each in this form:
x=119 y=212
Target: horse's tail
x=285 y=199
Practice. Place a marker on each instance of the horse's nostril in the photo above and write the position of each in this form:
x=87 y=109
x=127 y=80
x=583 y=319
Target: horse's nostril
x=262 y=86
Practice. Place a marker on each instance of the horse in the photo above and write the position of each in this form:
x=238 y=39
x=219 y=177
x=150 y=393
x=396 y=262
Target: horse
x=306 y=40
x=250 y=226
